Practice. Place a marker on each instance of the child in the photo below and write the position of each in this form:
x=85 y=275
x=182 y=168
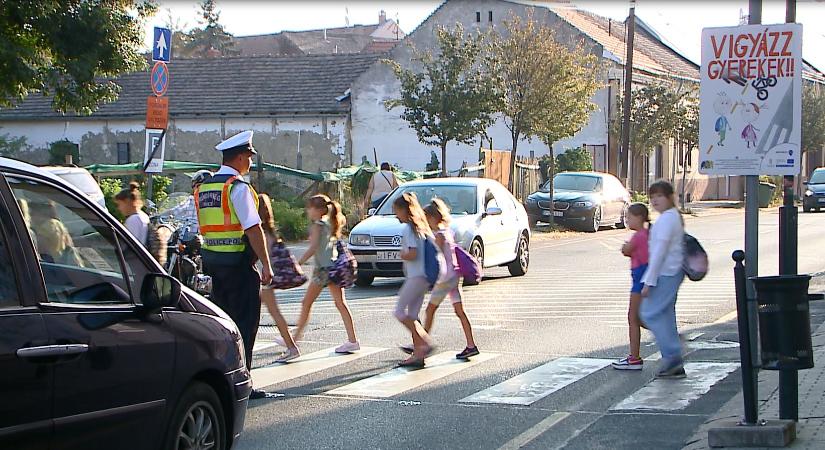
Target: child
x=438 y=217
x=636 y=250
x=663 y=278
x=129 y=203
x=327 y=222
x=267 y=292
x=411 y=295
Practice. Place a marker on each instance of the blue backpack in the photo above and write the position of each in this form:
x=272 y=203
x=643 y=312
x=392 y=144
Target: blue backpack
x=432 y=266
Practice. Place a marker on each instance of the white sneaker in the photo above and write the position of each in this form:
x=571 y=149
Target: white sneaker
x=288 y=356
x=348 y=347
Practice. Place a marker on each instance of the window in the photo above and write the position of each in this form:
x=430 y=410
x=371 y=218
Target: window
x=80 y=254
x=8 y=285
x=490 y=16
x=478 y=16
x=123 y=154
x=461 y=200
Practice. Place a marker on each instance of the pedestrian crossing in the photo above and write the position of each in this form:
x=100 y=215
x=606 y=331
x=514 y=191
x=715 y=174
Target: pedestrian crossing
x=523 y=389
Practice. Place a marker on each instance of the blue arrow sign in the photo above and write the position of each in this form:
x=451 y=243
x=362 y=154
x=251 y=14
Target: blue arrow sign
x=161 y=44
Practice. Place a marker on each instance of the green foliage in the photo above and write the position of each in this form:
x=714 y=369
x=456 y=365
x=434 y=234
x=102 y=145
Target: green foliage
x=639 y=197
x=574 y=160
x=69 y=50
x=659 y=112
x=291 y=220
x=453 y=99
x=59 y=149
x=212 y=37
x=110 y=188
x=434 y=164
x=813 y=117
x=11 y=146
x=547 y=85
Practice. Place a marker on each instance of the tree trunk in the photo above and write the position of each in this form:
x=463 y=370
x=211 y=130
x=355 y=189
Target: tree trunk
x=510 y=182
x=443 y=158
x=551 y=172
x=684 y=179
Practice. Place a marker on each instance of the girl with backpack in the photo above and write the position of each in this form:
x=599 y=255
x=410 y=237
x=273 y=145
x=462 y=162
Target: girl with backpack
x=268 y=292
x=327 y=223
x=663 y=278
x=449 y=283
x=129 y=203
x=416 y=284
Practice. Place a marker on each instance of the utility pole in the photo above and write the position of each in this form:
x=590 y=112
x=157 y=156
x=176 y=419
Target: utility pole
x=624 y=152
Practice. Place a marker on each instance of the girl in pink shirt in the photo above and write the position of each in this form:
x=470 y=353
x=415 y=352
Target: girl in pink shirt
x=636 y=249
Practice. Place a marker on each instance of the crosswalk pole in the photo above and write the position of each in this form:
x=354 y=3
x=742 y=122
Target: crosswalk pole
x=749 y=381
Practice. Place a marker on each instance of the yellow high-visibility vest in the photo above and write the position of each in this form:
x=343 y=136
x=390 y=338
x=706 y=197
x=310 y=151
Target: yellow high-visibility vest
x=219 y=224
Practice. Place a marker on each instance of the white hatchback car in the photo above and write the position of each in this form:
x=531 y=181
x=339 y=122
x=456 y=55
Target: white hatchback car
x=486 y=219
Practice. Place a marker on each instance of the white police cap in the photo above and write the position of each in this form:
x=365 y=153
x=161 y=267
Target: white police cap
x=240 y=141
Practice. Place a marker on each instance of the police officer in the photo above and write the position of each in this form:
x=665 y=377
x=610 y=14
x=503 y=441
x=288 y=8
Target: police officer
x=233 y=239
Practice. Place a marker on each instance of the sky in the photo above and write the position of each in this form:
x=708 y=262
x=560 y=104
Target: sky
x=679 y=22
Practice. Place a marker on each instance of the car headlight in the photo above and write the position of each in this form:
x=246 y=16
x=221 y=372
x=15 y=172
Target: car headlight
x=360 y=239
x=583 y=205
x=808 y=193
x=531 y=201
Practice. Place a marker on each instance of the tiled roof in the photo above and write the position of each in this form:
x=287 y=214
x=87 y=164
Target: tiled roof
x=233 y=86
x=650 y=53
x=354 y=39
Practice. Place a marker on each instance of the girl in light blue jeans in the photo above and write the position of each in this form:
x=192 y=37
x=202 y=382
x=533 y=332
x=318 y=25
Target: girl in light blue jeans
x=663 y=278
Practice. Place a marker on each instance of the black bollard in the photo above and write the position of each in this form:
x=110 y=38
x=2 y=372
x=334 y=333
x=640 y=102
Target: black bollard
x=749 y=380
x=788 y=245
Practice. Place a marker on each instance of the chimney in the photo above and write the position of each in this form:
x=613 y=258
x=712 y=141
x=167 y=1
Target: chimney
x=382 y=17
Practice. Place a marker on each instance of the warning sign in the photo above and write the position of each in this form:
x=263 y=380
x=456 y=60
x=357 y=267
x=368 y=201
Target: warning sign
x=750 y=100
x=157 y=112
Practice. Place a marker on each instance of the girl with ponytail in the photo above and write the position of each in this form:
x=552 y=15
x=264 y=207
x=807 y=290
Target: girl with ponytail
x=327 y=223
x=129 y=202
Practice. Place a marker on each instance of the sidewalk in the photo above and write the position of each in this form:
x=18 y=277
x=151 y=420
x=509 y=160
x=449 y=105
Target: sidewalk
x=810 y=430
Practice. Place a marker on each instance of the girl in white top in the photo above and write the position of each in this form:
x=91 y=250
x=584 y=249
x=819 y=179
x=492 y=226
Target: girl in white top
x=663 y=278
x=129 y=203
x=381 y=184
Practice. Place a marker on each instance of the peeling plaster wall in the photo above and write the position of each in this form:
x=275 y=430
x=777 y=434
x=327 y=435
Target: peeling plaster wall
x=324 y=140
x=396 y=142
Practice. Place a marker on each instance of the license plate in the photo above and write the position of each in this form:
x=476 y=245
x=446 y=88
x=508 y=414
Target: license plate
x=822 y=200
x=389 y=256
x=558 y=213
x=546 y=213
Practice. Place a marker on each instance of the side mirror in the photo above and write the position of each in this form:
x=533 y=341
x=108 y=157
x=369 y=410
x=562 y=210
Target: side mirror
x=159 y=291
x=493 y=211
x=372 y=211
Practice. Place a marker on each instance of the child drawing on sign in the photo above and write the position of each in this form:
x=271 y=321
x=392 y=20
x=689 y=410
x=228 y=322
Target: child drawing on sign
x=722 y=105
x=750 y=114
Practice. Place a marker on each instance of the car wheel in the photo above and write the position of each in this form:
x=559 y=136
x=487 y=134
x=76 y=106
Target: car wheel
x=198 y=421
x=596 y=221
x=364 y=280
x=622 y=224
x=477 y=252
x=519 y=266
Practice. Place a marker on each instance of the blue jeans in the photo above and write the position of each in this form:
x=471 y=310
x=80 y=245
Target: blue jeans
x=658 y=312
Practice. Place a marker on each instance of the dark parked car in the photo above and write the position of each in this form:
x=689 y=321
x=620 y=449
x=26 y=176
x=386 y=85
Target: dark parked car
x=814 y=198
x=585 y=200
x=98 y=347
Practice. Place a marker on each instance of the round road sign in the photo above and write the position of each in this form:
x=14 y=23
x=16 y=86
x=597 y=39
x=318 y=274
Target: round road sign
x=159 y=78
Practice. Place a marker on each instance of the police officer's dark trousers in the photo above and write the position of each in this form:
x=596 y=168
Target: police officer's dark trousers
x=236 y=289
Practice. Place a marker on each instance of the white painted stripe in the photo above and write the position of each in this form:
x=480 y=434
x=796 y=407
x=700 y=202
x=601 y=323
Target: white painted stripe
x=400 y=380
x=535 y=431
x=533 y=385
x=672 y=395
x=305 y=365
x=262 y=346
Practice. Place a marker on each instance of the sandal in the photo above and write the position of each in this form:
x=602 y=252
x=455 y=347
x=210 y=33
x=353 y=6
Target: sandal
x=412 y=363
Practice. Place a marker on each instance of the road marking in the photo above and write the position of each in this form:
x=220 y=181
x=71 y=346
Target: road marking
x=400 y=380
x=263 y=346
x=727 y=317
x=305 y=365
x=535 y=431
x=533 y=385
x=672 y=395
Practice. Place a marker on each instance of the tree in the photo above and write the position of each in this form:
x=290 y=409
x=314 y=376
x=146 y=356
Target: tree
x=181 y=39
x=12 y=146
x=69 y=50
x=452 y=99
x=687 y=133
x=813 y=117
x=546 y=85
x=212 y=37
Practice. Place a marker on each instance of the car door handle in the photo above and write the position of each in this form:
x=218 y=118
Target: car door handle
x=45 y=351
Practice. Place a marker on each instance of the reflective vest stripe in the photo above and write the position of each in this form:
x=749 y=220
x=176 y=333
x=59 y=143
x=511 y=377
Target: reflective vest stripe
x=227 y=211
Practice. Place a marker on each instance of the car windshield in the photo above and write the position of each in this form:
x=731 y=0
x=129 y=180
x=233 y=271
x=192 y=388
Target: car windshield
x=462 y=200
x=818 y=177
x=582 y=183
x=81 y=180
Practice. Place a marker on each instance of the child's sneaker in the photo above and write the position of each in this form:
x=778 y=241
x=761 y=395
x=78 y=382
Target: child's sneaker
x=288 y=356
x=467 y=353
x=673 y=371
x=348 y=347
x=629 y=362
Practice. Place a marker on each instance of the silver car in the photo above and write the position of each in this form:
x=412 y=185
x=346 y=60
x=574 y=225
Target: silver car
x=486 y=219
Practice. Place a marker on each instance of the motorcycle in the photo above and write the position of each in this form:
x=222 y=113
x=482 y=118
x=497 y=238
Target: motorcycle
x=183 y=250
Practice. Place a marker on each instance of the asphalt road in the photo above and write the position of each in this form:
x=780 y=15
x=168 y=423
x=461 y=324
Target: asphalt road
x=543 y=379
